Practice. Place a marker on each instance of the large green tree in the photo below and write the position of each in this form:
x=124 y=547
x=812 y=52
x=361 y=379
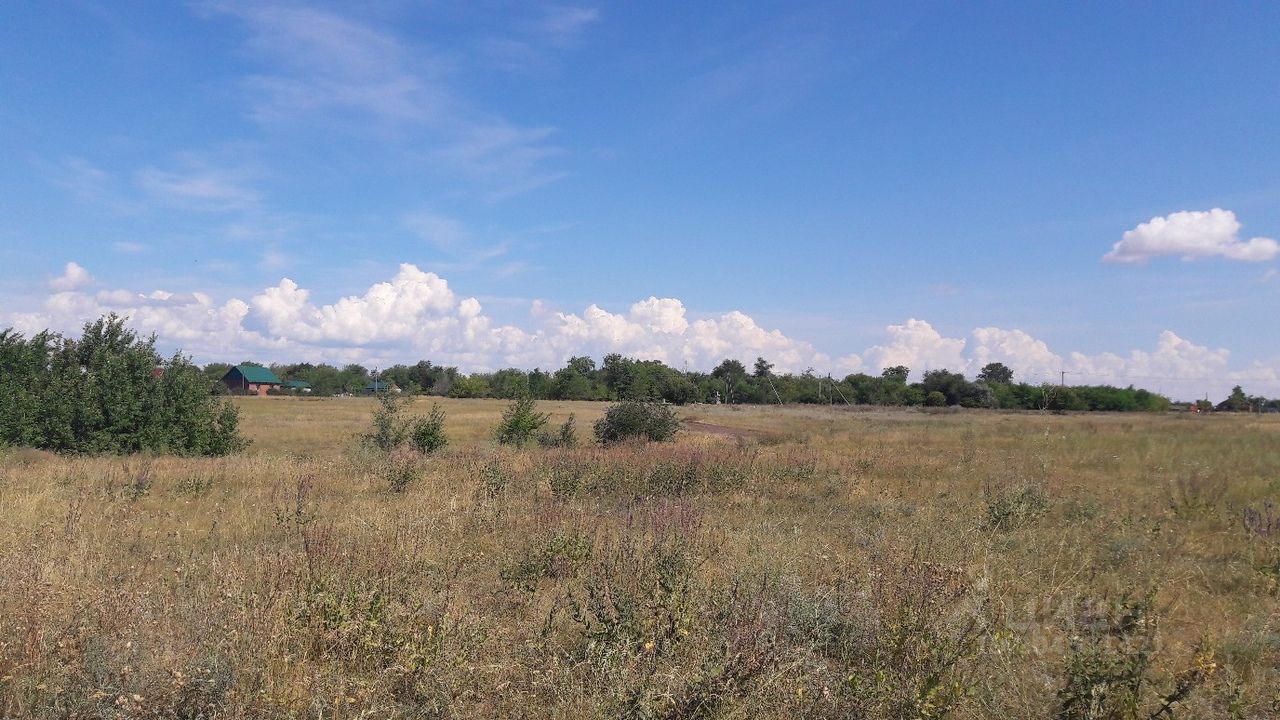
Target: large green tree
x=996 y=372
x=108 y=391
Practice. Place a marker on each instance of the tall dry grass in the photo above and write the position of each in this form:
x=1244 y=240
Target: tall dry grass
x=778 y=562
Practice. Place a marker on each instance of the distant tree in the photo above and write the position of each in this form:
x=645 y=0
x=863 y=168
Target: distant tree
x=935 y=399
x=731 y=374
x=1237 y=401
x=569 y=383
x=763 y=368
x=214 y=372
x=897 y=373
x=616 y=372
x=470 y=386
x=353 y=378
x=997 y=373
x=953 y=386
x=730 y=369
x=509 y=383
x=582 y=365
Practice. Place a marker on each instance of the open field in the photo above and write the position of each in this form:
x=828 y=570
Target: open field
x=773 y=562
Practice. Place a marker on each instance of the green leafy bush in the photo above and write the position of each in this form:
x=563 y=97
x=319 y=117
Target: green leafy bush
x=521 y=422
x=108 y=391
x=634 y=419
x=426 y=433
x=389 y=429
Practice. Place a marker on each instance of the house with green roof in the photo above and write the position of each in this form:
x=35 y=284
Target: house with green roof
x=378 y=386
x=301 y=386
x=251 y=380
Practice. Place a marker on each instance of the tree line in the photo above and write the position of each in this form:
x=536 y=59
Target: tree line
x=623 y=378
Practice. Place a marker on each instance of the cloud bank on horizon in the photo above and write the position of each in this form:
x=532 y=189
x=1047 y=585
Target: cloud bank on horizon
x=417 y=315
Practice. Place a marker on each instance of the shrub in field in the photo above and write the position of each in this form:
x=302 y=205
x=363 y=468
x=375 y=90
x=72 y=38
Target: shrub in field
x=520 y=423
x=426 y=433
x=108 y=391
x=1013 y=507
x=634 y=419
x=1110 y=670
x=1196 y=490
x=390 y=429
x=667 y=471
x=394 y=436
x=902 y=645
x=494 y=480
x=565 y=437
x=635 y=597
x=399 y=468
x=568 y=473
x=559 y=555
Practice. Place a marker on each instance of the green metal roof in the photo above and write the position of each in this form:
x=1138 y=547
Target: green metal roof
x=297 y=384
x=257 y=374
x=377 y=385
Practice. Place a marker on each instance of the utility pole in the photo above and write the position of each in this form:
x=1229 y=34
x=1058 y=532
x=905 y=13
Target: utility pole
x=836 y=386
x=774 y=389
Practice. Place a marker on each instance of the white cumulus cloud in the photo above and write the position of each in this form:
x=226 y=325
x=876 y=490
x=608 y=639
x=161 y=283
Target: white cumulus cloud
x=917 y=345
x=387 y=311
x=1028 y=357
x=416 y=315
x=1192 y=234
x=1175 y=360
x=73 y=277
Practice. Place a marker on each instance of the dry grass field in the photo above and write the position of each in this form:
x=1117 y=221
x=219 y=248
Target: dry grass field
x=772 y=562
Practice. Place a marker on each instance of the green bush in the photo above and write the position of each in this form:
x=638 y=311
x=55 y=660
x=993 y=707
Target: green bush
x=521 y=422
x=566 y=437
x=426 y=433
x=108 y=391
x=389 y=429
x=634 y=419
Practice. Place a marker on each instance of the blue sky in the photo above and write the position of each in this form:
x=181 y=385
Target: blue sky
x=836 y=185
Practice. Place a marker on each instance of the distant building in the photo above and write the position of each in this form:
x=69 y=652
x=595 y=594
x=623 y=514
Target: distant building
x=378 y=386
x=251 y=380
x=301 y=386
